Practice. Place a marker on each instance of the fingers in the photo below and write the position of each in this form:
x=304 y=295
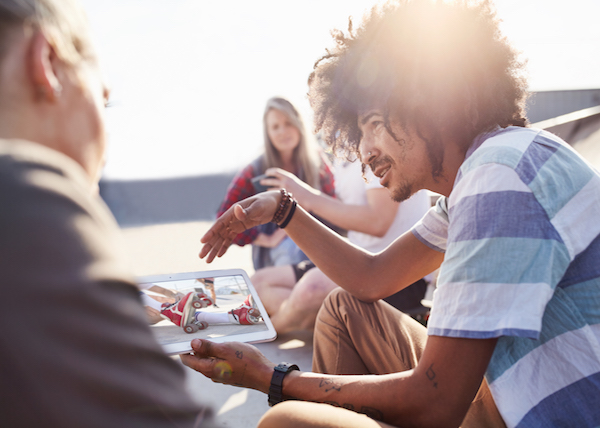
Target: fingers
x=221 y=234
x=216 y=249
x=202 y=348
x=204 y=250
x=238 y=218
x=202 y=360
x=206 y=362
x=277 y=180
x=224 y=247
x=275 y=172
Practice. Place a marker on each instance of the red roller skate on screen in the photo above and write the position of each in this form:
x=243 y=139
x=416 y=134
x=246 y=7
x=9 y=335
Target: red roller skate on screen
x=246 y=314
x=182 y=312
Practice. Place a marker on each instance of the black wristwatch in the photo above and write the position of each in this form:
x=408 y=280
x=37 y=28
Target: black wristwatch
x=276 y=389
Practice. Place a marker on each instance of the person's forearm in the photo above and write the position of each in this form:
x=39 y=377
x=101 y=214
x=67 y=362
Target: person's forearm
x=381 y=397
x=368 y=276
x=359 y=218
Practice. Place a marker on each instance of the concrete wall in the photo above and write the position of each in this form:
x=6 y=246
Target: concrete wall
x=143 y=202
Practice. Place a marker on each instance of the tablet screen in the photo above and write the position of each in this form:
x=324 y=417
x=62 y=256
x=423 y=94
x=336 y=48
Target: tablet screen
x=219 y=305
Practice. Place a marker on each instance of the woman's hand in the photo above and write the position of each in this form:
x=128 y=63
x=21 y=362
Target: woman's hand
x=232 y=363
x=250 y=212
x=283 y=179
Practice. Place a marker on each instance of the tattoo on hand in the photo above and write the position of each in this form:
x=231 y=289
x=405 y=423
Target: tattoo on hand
x=431 y=376
x=329 y=385
x=239 y=354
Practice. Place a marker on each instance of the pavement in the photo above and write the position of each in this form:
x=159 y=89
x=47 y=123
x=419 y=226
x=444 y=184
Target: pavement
x=173 y=248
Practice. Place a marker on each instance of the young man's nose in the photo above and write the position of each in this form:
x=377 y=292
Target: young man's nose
x=366 y=150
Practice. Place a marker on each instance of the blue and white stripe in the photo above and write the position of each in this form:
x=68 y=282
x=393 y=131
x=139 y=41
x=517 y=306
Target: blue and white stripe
x=523 y=264
x=432 y=229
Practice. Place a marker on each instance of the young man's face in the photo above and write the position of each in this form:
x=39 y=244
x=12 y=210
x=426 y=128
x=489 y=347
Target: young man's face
x=403 y=166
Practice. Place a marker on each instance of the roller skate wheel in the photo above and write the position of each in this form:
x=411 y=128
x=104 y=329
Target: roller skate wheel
x=202 y=325
x=197 y=304
x=191 y=328
x=206 y=299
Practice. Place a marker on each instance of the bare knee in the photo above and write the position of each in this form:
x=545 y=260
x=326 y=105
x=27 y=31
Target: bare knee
x=261 y=278
x=259 y=283
x=312 y=289
x=273 y=276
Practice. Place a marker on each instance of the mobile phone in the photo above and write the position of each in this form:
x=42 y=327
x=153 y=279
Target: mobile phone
x=256 y=183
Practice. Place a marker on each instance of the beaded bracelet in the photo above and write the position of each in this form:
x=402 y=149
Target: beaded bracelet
x=284 y=203
x=289 y=216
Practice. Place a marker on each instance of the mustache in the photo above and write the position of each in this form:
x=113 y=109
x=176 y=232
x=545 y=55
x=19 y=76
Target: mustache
x=384 y=160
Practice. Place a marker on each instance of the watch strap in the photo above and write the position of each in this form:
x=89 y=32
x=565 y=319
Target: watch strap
x=276 y=388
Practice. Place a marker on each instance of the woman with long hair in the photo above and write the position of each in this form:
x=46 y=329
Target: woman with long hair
x=289 y=147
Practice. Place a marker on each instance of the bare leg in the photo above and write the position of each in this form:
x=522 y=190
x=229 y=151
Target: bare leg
x=299 y=310
x=274 y=285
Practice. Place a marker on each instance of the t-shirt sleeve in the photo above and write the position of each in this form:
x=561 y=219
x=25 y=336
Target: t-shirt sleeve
x=503 y=258
x=432 y=229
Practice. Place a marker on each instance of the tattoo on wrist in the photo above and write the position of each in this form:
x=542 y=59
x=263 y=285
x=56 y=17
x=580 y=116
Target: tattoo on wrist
x=431 y=376
x=329 y=385
x=239 y=355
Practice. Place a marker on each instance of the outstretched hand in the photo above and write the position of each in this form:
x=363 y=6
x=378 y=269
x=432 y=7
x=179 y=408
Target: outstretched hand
x=232 y=363
x=250 y=212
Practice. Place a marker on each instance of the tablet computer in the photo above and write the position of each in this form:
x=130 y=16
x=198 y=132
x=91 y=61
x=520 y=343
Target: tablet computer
x=219 y=305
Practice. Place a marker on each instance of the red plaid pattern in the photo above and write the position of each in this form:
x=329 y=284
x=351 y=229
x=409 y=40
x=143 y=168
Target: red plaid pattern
x=241 y=188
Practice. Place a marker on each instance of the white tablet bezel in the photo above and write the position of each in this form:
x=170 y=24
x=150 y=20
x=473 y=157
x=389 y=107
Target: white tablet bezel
x=184 y=347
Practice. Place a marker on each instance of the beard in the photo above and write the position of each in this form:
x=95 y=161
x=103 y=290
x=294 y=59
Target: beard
x=402 y=192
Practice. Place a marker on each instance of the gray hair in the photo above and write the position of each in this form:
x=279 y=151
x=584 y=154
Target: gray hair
x=63 y=23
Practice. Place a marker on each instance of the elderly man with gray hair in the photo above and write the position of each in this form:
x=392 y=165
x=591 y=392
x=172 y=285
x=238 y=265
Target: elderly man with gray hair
x=76 y=347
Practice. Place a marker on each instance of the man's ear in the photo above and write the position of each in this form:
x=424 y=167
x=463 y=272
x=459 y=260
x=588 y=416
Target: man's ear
x=42 y=60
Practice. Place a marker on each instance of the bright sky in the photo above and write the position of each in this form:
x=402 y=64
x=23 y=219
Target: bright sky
x=190 y=77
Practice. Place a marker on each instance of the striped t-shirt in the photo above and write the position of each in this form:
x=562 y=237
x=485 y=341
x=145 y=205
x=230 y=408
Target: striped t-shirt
x=521 y=233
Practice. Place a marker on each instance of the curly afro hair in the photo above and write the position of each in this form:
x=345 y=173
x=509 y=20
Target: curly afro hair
x=441 y=69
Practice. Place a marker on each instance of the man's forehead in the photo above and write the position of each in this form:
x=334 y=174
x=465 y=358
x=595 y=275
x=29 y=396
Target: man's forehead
x=365 y=115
